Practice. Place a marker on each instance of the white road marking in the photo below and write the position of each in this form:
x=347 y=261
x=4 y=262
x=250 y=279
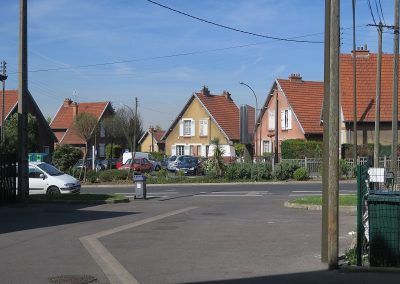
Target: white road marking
x=227 y=195
x=114 y=270
x=237 y=192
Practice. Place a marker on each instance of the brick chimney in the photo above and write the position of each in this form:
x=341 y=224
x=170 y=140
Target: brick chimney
x=295 y=77
x=74 y=109
x=361 y=51
x=67 y=102
x=205 y=91
x=227 y=95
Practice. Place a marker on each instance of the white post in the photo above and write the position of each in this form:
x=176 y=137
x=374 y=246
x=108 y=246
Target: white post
x=93 y=158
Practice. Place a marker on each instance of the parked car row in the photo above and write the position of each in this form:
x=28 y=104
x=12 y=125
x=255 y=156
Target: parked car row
x=187 y=164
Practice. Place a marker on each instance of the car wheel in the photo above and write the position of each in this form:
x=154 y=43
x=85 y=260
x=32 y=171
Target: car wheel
x=53 y=191
x=157 y=168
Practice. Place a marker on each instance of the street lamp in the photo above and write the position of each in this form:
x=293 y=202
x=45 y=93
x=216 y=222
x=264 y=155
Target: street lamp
x=3 y=78
x=255 y=125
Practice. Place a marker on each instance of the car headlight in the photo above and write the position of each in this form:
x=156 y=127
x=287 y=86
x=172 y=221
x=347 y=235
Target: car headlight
x=192 y=169
x=69 y=185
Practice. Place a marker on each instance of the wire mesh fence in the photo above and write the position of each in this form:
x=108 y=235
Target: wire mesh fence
x=378 y=217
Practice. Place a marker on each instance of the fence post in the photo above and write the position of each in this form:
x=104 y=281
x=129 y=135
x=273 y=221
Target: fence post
x=384 y=161
x=273 y=164
x=305 y=164
x=360 y=229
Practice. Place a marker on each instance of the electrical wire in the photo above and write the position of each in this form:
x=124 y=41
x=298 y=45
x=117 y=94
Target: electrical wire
x=372 y=13
x=233 y=29
x=377 y=11
x=380 y=5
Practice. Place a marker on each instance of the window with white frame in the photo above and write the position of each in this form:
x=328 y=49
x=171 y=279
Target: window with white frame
x=267 y=146
x=187 y=127
x=271 y=120
x=286 y=119
x=180 y=150
x=203 y=127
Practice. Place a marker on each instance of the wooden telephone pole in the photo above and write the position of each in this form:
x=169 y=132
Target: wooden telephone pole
x=23 y=181
x=395 y=89
x=378 y=97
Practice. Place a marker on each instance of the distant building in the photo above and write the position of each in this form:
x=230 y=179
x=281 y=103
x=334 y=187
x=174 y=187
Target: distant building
x=151 y=141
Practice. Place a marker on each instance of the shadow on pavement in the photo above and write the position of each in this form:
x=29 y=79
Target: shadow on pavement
x=18 y=217
x=316 y=277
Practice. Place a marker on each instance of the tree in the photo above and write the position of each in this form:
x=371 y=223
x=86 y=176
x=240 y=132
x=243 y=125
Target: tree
x=65 y=156
x=216 y=163
x=10 y=144
x=85 y=126
x=113 y=129
x=132 y=129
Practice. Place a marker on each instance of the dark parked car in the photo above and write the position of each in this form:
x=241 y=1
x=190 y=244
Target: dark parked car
x=189 y=165
x=98 y=165
x=107 y=162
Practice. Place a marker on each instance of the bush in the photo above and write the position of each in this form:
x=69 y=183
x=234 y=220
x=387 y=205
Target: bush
x=163 y=173
x=116 y=151
x=300 y=174
x=91 y=176
x=285 y=170
x=248 y=171
x=112 y=175
x=345 y=170
x=299 y=149
x=65 y=156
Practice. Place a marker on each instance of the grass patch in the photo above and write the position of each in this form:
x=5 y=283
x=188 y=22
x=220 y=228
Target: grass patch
x=79 y=197
x=344 y=200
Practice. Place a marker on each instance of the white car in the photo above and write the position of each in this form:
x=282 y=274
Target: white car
x=46 y=179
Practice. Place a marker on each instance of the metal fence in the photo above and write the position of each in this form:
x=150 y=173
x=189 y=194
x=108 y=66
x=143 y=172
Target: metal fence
x=8 y=175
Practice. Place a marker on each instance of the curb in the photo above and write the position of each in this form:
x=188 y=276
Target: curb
x=90 y=202
x=347 y=209
x=215 y=184
x=355 y=269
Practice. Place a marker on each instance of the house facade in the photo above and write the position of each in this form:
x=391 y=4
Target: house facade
x=366 y=96
x=62 y=125
x=45 y=136
x=151 y=141
x=204 y=118
x=292 y=110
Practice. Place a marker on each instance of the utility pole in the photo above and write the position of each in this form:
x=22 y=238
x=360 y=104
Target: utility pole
x=333 y=181
x=354 y=86
x=378 y=97
x=135 y=127
x=325 y=118
x=276 y=158
x=395 y=89
x=23 y=182
x=3 y=78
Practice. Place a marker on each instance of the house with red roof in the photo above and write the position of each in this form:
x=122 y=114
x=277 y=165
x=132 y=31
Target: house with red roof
x=204 y=117
x=296 y=106
x=45 y=136
x=63 y=128
x=151 y=141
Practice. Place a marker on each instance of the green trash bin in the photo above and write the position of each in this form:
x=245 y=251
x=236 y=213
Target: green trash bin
x=384 y=229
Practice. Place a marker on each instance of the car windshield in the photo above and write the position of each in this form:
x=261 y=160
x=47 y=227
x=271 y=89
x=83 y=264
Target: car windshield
x=135 y=161
x=172 y=158
x=49 y=169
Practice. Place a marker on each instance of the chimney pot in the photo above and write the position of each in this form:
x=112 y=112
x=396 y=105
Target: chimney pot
x=205 y=91
x=227 y=95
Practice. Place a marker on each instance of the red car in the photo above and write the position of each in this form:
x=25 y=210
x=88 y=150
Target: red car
x=138 y=165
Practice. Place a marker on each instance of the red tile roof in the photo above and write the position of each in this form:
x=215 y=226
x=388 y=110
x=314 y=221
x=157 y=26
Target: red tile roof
x=10 y=101
x=224 y=111
x=366 y=86
x=65 y=117
x=305 y=98
x=157 y=134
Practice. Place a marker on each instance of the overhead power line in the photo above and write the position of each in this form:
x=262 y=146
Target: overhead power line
x=370 y=10
x=233 y=29
x=383 y=17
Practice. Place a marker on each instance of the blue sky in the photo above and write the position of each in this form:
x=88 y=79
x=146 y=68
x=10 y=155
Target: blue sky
x=72 y=33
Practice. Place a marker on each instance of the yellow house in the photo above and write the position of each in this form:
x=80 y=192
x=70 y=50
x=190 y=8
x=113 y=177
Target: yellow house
x=151 y=141
x=203 y=118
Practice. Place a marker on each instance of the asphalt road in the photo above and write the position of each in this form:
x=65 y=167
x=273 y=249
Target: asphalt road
x=182 y=234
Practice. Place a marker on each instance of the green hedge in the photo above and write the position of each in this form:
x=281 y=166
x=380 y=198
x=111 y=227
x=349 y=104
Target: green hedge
x=366 y=150
x=299 y=149
x=247 y=171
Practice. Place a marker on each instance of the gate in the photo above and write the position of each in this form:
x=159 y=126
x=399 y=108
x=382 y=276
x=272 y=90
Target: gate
x=8 y=177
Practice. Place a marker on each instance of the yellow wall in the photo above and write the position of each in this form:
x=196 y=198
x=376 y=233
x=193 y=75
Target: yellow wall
x=146 y=145
x=196 y=112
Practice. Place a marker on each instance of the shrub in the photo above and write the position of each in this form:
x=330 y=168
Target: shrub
x=300 y=174
x=299 y=149
x=116 y=151
x=285 y=170
x=65 y=156
x=261 y=171
x=345 y=170
x=163 y=173
x=91 y=176
x=111 y=175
